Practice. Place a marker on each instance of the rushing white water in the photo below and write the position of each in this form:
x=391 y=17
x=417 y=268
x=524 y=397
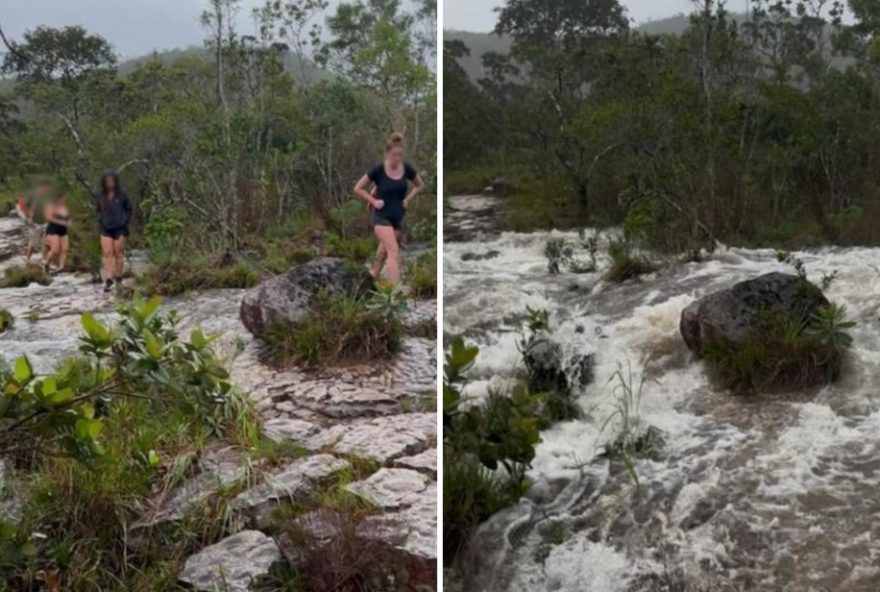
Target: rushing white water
x=775 y=492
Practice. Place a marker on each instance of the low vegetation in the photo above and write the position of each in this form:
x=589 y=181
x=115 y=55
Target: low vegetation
x=783 y=352
x=98 y=437
x=421 y=276
x=7 y=321
x=22 y=276
x=342 y=328
x=175 y=275
x=626 y=263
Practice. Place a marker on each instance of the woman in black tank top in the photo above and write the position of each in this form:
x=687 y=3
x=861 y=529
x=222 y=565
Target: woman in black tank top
x=57 y=216
x=388 y=202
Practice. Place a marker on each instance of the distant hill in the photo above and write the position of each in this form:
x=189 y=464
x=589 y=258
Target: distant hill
x=483 y=43
x=168 y=57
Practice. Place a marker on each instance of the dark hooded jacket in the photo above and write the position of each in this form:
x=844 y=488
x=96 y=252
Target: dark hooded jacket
x=115 y=213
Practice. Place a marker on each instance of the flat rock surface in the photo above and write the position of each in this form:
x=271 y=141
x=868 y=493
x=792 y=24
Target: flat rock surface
x=294 y=480
x=233 y=564
x=382 y=439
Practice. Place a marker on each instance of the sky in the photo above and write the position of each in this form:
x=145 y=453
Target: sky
x=478 y=15
x=133 y=27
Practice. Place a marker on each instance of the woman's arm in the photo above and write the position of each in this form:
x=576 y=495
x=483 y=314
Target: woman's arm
x=418 y=185
x=360 y=189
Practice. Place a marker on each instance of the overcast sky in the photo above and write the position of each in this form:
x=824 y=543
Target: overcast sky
x=478 y=15
x=134 y=27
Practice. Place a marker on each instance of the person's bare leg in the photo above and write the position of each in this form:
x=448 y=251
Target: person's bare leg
x=65 y=249
x=379 y=263
x=388 y=239
x=108 y=257
x=53 y=249
x=119 y=255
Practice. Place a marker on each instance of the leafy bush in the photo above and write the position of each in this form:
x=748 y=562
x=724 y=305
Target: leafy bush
x=22 y=276
x=421 y=276
x=487 y=450
x=783 y=352
x=98 y=436
x=341 y=328
x=625 y=264
x=356 y=249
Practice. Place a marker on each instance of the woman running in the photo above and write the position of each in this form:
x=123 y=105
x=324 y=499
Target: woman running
x=114 y=215
x=57 y=214
x=389 y=201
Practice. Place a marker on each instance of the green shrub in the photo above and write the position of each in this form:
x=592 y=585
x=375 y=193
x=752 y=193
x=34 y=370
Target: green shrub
x=98 y=437
x=421 y=276
x=477 y=441
x=783 y=352
x=22 y=276
x=7 y=321
x=339 y=329
x=357 y=249
x=625 y=264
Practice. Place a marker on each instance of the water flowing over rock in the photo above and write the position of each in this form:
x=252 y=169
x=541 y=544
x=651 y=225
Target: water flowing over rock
x=550 y=370
x=287 y=298
x=733 y=313
x=233 y=564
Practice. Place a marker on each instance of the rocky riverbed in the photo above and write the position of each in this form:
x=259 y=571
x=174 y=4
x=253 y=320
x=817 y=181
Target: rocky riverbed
x=773 y=492
x=381 y=412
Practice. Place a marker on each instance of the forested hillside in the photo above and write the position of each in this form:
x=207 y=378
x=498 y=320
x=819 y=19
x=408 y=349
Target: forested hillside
x=755 y=131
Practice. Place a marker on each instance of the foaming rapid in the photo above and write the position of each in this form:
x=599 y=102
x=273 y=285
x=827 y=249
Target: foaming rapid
x=775 y=492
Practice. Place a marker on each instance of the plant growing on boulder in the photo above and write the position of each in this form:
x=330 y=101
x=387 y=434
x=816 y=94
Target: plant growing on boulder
x=22 y=276
x=783 y=352
x=339 y=328
x=7 y=321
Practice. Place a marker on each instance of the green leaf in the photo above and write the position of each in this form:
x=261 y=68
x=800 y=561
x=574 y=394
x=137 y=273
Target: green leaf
x=152 y=459
x=150 y=307
x=23 y=370
x=94 y=328
x=49 y=386
x=89 y=428
x=62 y=396
x=153 y=344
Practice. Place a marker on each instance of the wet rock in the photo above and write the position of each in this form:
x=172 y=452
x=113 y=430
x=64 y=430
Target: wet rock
x=733 y=313
x=233 y=564
x=294 y=480
x=382 y=439
x=549 y=371
x=288 y=298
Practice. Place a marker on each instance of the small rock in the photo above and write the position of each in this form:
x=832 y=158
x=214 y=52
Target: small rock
x=233 y=564
x=391 y=489
x=283 y=428
x=424 y=462
x=548 y=370
x=295 y=479
x=381 y=439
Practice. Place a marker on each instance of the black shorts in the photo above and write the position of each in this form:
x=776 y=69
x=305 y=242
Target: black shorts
x=381 y=218
x=56 y=229
x=114 y=233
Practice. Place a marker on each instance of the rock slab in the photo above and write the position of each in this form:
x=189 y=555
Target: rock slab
x=233 y=564
x=733 y=313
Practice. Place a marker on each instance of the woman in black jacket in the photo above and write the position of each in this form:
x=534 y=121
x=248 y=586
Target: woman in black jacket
x=114 y=215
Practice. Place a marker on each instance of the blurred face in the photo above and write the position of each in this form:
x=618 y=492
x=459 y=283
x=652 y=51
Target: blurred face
x=110 y=184
x=395 y=155
x=62 y=200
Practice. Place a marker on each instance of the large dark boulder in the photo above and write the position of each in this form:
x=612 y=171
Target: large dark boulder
x=288 y=298
x=733 y=313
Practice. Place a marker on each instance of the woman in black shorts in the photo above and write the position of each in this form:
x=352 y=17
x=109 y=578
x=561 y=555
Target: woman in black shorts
x=57 y=214
x=389 y=201
x=114 y=215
